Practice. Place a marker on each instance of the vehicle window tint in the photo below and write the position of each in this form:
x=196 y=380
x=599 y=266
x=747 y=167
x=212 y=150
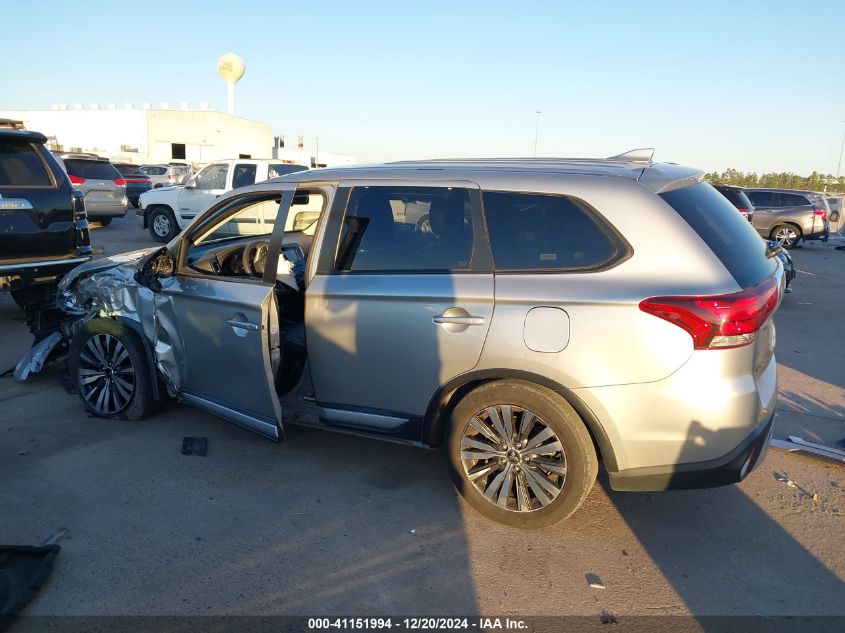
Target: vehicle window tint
x=21 y=166
x=154 y=171
x=793 y=200
x=406 y=228
x=130 y=170
x=280 y=169
x=91 y=169
x=761 y=198
x=537 y=232
x=243 y=175
x=726 y=232
x=213 y=177
x=744 y=202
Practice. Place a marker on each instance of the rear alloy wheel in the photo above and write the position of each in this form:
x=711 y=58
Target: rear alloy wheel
x=786 y=235
x=520 y=454
x=108 y=368
x=162 y=225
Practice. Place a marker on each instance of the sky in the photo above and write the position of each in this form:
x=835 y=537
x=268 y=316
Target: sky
x=757 y=86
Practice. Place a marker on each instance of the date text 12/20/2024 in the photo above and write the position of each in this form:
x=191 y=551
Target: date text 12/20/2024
x=417 y=624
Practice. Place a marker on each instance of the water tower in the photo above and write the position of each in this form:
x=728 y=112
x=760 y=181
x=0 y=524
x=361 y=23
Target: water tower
x=231 y=68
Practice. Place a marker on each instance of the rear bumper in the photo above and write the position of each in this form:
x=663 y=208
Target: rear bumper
x=723 y=471
x=106 y=212
x=21 y=275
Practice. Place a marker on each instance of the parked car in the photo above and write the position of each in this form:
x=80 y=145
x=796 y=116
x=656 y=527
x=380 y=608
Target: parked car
x=43 y=226
x=736 y=196
x=790 y=215
x=168 y=210
x=102 y=184
x=533 y=330
x=166 y=175
x=137 y=182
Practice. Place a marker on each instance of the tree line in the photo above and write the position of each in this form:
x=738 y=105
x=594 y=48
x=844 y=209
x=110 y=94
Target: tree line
x=783 y=180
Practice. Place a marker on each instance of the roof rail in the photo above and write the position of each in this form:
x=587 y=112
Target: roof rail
x=640 y=155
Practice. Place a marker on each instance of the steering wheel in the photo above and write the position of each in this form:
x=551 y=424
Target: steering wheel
x=254 y=256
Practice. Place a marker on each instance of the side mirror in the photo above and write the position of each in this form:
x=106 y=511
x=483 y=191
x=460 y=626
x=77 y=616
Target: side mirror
x=157 y=265
x=304 y=219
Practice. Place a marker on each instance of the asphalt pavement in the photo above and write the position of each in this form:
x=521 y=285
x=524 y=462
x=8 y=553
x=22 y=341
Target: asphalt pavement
x=328 y=524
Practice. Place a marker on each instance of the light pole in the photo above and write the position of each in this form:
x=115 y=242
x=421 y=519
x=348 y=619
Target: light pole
x=839 y=166
x=536 y=131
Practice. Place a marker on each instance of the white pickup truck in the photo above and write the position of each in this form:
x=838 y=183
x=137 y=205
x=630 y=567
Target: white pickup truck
x=167 y=210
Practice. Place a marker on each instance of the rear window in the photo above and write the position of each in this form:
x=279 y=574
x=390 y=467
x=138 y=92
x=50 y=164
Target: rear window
x=20 y=166
x=130 y=170
x=91 y=169
x=154 y=171
x=726 y=232
x=544 y=232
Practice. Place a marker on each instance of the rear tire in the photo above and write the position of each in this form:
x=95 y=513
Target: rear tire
x=546 y=467
x=786 y=235
x=104 y=221
x=108 y=367
x=135 y=203
x=162 y=224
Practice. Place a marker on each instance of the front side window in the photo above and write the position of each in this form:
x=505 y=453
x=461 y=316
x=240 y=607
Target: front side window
x=250 y=218
x=213 y=176
x=544 y=232
x=420 y=229
x=20 y=166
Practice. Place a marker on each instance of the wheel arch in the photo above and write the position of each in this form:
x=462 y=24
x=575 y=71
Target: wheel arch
x=449 y=394
x=152 y=207
x=138 y=331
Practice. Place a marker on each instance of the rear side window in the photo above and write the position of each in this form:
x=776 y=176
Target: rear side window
x=91 y=169
x=726 y=232
x=244 y=175
x=544 y=232
x=793 y=200
x=761 y=198
x=280 y=169
x=20 y=166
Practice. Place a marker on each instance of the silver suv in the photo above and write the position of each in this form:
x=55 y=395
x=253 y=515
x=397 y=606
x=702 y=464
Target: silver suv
x=553 y=313
x=102 y=184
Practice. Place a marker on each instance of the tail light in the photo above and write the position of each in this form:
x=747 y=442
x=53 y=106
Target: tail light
x=120 y=182
x=76 y=180
x=742 y=211
x=821 y=213
x=142 y=181
x=719 y=321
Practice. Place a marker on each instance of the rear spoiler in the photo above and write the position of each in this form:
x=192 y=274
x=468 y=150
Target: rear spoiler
x=641 y=155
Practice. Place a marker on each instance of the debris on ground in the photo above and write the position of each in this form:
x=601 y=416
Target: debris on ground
x=607 y=617
x=800 y=444
x=594 y=581
x=783 y=478
x=58 y=536
x=195 y=446
x=23 y=452
x=23 y=569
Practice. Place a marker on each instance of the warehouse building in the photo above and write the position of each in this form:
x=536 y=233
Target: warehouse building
x=160 y=135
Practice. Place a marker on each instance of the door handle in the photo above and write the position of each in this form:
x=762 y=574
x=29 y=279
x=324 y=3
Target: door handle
x=459 y=320
x=244 y=325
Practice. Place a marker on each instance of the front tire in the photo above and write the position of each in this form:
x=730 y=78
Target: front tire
x=108 y=367
x=162 y=224
x=32 y=295
x=786 y=235
x=520 y=454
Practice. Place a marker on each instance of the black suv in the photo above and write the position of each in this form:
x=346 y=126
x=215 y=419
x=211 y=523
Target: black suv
x=43 y=224
x=736 y=196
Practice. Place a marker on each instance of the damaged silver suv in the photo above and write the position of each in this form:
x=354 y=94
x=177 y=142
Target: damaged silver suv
x=553 y=312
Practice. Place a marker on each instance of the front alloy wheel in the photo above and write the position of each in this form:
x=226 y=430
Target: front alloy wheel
x=106 y=375
x=513 y=458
